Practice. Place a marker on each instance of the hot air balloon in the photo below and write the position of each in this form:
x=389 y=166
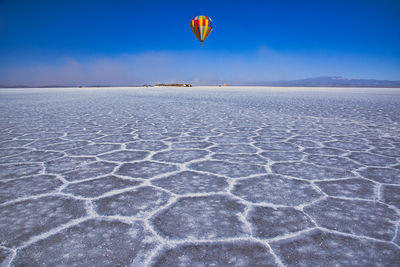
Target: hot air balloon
x=201 y=27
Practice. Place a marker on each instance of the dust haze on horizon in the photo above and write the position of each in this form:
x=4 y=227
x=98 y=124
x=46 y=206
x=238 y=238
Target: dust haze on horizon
x=198 y=67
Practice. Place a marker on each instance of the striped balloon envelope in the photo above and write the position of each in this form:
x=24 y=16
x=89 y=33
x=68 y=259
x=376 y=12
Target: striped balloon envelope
x=201 y=27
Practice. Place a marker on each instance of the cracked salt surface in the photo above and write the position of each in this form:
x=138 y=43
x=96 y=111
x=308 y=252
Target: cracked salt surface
x=317 y=248
x=275 y=189
x=188 y=182
x=32 y=185
x=99 y=186
x=22 y=220
x=137 y=202
x=269 y=222
x=200 y=177
x=354 y=187
x=201 y=218
x=308 y=171
x=240 y=253
x=355 y=216
x=179 y=156
x=233 y=170
x=93 y=242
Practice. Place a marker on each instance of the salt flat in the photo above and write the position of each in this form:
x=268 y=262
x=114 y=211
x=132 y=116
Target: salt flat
x=200 y=176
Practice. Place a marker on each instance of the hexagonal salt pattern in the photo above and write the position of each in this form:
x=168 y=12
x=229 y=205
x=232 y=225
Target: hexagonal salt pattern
x=145 y=169
x=309 y=171
x=241 y=158
x=238 y=254
x=332 y=161
x=18 y=170
x=90 y=170
x=22 y=220
x=100 y=186
x=381 y=175
x=324 y=151
x=137 y=202
x=124 y=156
x=92 y=149
x=318 y=248
x=277 y=146
x=30 y=186
x=282 y=155
x=66 y=145
x=116 y=244
x=66 y=164
x=269 y=222
x=6 y=152
x=155 y=177
x=276 y=190
x=371 y=159
x=33 y=156
x=180 y=156
x=147 y=145
x=188 y=182
x=233 y=148
x=233 y=170
x=355 y=216
x=354 y=187
x=191 y=145
x=347 y=145
x=201 y=218
x=391 y=195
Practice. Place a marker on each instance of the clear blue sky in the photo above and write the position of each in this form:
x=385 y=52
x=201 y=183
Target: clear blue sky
x=128 y=42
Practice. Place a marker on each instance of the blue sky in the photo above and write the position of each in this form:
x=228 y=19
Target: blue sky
x=135 y=42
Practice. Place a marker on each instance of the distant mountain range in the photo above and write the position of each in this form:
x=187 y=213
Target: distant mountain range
x=326 y=81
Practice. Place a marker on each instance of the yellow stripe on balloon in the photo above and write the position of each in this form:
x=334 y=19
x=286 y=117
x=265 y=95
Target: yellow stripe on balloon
x=201 y=28
x=205 y=29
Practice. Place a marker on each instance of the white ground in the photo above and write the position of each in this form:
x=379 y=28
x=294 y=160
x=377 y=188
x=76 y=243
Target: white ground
x=225 y=176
